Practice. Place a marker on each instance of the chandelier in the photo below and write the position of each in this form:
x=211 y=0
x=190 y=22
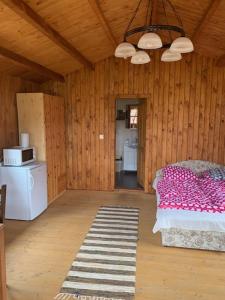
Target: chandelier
x=151 y=40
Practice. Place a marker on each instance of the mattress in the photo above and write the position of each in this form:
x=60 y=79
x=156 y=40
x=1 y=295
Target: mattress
x=184 y=219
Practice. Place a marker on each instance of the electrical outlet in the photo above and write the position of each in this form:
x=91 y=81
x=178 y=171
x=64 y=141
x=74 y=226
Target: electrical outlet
x=101 y=136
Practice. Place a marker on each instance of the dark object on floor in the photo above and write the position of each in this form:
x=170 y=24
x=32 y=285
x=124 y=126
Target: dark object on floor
x=2 y=203
x=127 y=180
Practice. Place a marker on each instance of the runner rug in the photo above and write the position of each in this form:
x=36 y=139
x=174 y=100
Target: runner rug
x=105 y=266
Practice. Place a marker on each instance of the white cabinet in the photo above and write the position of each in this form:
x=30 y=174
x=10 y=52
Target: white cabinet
x=130 y=158
x=38 y=190
x=26 y=196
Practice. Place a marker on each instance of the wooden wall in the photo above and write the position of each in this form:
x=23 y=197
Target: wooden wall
x=31 y=119
x=55 y=132
x=185 y=115
x=9 y=86
x=54 y=121
x=43 y=117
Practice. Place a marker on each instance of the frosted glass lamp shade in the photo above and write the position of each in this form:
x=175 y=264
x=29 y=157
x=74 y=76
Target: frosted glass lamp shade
x=170 y=56
x=182 y=45
x=150 y=40
x=140 y=57
x=125 y=50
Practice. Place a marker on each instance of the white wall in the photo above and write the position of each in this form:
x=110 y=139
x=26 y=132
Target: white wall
x=123 y=133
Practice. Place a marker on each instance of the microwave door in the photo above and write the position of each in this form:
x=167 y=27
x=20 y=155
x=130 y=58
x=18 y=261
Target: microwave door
x=21 y=158
x=27 y=155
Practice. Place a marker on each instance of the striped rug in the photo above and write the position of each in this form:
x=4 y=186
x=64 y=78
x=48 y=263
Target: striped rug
x=105 y=266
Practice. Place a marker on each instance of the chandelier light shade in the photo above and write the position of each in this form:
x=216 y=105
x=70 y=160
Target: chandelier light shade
x=140 y=57
x=150 y=40
x=169 y=56
x=125 y=50
x=173 y=39
x=182 y=45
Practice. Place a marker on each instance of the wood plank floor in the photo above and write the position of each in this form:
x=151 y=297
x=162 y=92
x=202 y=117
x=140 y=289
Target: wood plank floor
x=39 y=253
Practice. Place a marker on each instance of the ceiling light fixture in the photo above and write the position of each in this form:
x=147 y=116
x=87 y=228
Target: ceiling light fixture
x=182 y=45
x=150 y=40
x=125 y=50
x=175 y=40
x=168 y=55
x=140 y=57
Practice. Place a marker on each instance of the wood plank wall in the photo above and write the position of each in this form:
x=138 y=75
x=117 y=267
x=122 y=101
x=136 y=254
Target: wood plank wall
x=43 y=117
x=55 y=151
x=9 y=86
x=54 y=108
x=185 y=115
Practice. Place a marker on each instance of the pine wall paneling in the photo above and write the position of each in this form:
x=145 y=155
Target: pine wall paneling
x=43 y=117
x=55 y=145
x=31 y=119
x=185 y=116
x=9 y=86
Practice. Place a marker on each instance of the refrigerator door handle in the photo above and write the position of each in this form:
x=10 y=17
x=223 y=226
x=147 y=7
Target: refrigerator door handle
x=31 y=181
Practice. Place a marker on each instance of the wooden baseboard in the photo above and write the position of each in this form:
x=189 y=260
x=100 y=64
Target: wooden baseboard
x=129 y=190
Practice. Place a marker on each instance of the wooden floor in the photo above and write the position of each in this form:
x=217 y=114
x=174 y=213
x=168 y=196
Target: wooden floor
x=39 y=253
x=127 y=180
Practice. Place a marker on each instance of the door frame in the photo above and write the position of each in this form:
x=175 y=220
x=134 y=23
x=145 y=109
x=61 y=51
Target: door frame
x=114 y=98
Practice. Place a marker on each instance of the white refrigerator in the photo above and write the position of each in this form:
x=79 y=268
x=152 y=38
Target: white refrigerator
x=26 y=195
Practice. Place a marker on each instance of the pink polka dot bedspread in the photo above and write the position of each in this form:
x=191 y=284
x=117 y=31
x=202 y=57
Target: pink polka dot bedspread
x=180 y=188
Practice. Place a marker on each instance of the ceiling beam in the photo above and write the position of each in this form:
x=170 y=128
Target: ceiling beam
x=211 y=9
x=99 y=13
x=31 y=64
x=28 y=14
x=221 y=61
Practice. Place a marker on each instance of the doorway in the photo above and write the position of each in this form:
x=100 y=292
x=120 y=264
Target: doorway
x=130 y=143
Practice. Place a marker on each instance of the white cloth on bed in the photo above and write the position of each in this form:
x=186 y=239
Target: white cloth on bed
x=191 y=220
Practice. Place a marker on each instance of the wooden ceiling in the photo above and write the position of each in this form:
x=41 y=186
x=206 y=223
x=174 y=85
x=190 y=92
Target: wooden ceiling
x=60 y=36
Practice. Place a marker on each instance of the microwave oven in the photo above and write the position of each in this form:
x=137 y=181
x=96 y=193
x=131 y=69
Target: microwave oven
x=18 y=156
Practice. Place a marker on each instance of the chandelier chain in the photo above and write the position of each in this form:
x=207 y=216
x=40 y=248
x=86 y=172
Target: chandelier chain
x=167 y=22
x=150 y=7
x=134 y=15
x=176 y=14
x=149 y=13
x=150 y=39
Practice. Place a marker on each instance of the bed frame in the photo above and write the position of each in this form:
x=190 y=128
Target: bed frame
x=205 y=240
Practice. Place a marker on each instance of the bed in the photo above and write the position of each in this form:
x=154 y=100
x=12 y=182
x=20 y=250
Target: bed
x=186 y=228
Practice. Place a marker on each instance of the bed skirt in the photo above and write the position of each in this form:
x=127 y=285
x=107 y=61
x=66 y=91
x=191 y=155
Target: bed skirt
x=205 y=240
